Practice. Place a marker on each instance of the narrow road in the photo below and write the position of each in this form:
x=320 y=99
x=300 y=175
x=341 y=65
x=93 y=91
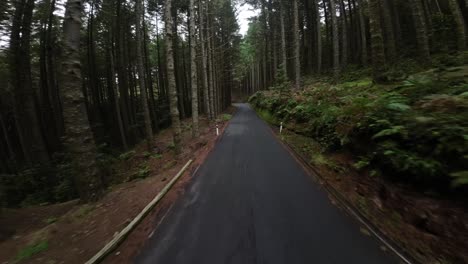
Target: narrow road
x=251 y=202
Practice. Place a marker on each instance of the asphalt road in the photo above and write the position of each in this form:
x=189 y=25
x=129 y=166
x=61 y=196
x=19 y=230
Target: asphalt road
x=251 y=202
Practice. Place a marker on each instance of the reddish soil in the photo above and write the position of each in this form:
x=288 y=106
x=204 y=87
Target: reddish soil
x=429 y=228
x=75 y=232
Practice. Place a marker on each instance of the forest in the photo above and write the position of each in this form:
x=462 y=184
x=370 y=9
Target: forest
x=89 y=79
x=384 y=80
x=381 y=84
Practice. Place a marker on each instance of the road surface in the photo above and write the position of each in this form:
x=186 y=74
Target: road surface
x=251 y=202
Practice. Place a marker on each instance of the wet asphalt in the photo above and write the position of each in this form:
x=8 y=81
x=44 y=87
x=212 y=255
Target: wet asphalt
x=251 y=202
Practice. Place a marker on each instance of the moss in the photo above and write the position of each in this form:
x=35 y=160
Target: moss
x=31 y=250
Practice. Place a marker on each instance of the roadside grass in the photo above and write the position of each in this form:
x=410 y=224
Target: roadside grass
x=83 y=211
x=50 y=220
x=31 y=250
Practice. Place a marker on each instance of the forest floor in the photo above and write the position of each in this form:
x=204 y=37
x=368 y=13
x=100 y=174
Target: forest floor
x=72 y=232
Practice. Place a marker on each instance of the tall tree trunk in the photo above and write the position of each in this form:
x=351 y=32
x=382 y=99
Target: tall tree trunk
x=335 y=40
x=389 y=32
x=122 y=70
x=318 y=37
x=193 y=71
x=115 y=96
x=377 y=46
x=78 y=138
x=162 y=96
x=362 y=31
x=206 y=95
x=297 y=47
x=420 y=27
x=284 y=60
x=172 y=89
x=344 y=35
x=459 y=22
x=29 y=126
x=141 y=73
x=9 y=145
x=396 y=24
x=211 y=68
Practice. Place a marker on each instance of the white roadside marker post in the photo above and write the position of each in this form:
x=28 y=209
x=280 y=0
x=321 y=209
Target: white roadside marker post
x=281 y=128
x=217 y=130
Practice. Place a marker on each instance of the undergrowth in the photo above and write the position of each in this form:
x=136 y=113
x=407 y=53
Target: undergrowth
x=414 y=130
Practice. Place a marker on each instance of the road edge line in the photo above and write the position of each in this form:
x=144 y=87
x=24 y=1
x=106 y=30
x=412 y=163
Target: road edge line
x=118 y=239
x=350 y=209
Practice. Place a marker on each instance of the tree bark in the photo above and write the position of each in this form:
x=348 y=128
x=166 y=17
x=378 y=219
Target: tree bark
x=206 y=95
x=318 y=33
x=362 y=31
x=284 y=60
x=297 y=47
x=29 y=126
x=115 y=95
x=78 y=138
x=344 y=35
x=377 y=46
x=389 y=31
x=211 y=68
x=141 y=74
x=193 y=71
x=335 y=40
x=420 y=27
x=172 y=89
x=459 y=23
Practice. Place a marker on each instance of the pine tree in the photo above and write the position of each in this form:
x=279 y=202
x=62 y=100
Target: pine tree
x=78 y=138
x=173 y=100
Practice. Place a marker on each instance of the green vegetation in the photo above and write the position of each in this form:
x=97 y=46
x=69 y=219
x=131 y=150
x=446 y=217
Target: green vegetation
x=226 y=117
x=31 y=250
x=83 y=211
x=414 y=131
x=127 y=155
x=50 y=220
x=143 y=171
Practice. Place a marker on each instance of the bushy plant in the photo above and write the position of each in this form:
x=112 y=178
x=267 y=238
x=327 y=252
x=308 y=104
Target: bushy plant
x=415 y=131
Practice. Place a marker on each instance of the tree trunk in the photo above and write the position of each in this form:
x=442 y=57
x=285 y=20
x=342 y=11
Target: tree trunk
x=172 y=89
x=9 y=145
x=297 y=47
x=141 y=73
x=460 y=24
x=420 y=27
x=29 y=126
x=362 y=25
x=115 y=96
x=335 y=40
x=206 y=95
x=193 y=71
x=318 y=33
x=78 y=138
x=389 y=32
x=211 y=69
x=284 y=60
x=122 y=71
x=377 y=46
x=344 y=35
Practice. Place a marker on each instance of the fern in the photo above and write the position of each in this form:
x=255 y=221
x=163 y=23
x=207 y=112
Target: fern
x=395 y=130
x=459 y=178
